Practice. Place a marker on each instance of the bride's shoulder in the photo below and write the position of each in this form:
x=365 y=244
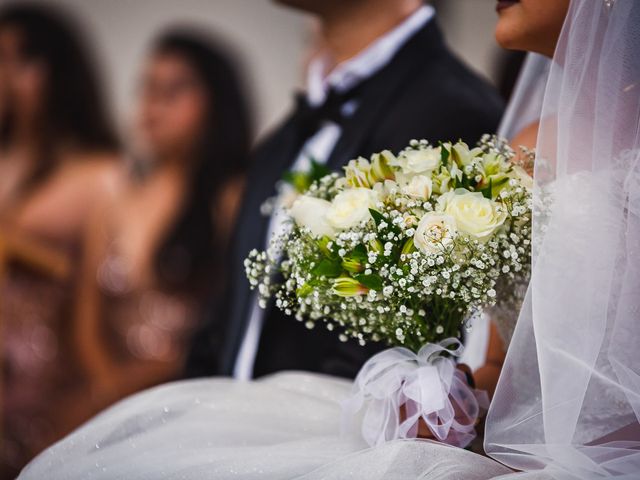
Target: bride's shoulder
x=527 y=137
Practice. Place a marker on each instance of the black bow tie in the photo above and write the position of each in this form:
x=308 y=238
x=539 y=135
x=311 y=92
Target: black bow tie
x=309 y=119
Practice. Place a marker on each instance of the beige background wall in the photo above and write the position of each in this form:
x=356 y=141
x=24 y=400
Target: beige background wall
x=468 y=26
x=269 y=40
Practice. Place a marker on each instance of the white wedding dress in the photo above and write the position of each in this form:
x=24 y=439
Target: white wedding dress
x=568 y=401
x=285 y=426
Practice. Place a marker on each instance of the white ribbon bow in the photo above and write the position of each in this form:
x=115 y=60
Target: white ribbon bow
x=427 y=384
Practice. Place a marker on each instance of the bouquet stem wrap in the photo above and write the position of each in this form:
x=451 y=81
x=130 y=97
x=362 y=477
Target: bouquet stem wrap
x=427 y=384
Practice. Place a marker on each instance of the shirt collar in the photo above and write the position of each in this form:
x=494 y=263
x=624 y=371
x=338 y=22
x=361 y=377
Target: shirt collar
x=367 y=62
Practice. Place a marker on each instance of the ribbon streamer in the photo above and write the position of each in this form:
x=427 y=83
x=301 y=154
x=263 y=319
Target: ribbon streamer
x=427 y=384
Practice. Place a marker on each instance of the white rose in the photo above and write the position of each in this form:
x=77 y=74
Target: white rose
x=351 y=207
x=475 y=215
x=413 y=162
x=386 y=189
x=311 y=212
x=434 y=232
x=523 y=177
x=419 y=186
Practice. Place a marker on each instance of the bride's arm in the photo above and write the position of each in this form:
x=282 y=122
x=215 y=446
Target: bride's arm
x=527 y=137
x=486 y=377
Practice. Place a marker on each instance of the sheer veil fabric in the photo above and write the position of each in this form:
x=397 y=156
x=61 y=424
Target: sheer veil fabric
x=525 y=106
x=568 y=399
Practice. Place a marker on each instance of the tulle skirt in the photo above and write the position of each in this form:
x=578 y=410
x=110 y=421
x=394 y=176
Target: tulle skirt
x=286 y=426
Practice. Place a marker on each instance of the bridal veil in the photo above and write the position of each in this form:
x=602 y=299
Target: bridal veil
x=568 y=399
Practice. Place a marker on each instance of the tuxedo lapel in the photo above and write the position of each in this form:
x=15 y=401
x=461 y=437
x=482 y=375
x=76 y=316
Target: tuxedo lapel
x=271 y=160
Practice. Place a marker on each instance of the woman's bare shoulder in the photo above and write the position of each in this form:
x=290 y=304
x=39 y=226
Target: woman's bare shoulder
x=101 y=172
x=527 y=137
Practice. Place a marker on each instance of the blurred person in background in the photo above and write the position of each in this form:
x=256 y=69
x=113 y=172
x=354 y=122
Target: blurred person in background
x=158 y=247
x=57 y=160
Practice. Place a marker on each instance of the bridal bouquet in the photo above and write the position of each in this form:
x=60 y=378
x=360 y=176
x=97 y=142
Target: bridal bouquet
x=404 y=249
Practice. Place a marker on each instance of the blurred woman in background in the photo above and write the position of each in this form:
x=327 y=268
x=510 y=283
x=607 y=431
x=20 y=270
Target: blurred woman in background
x=57 y=152
x=156 y=249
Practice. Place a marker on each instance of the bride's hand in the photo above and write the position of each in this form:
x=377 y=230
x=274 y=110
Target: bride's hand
x=423 y=430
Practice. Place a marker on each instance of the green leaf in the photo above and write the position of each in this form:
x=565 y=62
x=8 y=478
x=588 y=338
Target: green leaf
x=497 y=186
x=360 y=253
x=377 y=217
x=444 y=154
x=328 y=268
x=323 y=244
x=373 y=281
x=299 y=180
x=318 y=170
x=486 y=192
x=463 y=182
x=408 y=247
x=304 y=291
x=355 y=261
x=289 y=177
x=316 y=283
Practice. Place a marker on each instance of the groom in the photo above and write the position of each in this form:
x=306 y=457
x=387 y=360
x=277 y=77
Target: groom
x=385 y=77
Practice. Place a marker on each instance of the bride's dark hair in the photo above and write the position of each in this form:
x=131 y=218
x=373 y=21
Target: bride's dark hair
x=73 y=110
x=193 y=249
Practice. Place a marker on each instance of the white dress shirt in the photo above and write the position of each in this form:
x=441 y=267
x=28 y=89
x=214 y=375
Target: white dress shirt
x=319 y=147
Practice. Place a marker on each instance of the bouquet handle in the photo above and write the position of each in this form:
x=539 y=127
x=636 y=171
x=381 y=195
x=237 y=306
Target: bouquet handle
x=429 y=387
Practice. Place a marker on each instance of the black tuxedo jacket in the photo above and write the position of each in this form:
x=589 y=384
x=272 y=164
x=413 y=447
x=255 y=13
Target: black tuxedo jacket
x=424 y=92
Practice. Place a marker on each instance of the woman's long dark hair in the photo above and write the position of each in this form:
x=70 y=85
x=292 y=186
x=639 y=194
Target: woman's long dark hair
x=193 y=249
x=74 y=112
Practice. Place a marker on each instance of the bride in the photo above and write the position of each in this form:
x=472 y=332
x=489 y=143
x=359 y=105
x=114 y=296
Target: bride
x=568 y=400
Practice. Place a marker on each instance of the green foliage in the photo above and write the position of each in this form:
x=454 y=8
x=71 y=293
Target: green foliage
x=302 y=181
x=328 y=268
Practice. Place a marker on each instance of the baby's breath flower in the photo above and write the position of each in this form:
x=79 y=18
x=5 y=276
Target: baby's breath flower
x=370 y=281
